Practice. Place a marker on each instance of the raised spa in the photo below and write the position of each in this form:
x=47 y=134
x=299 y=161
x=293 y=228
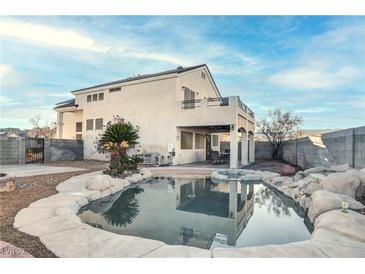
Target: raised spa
x=201 y=213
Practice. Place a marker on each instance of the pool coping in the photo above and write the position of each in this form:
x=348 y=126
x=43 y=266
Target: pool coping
x=54 y=220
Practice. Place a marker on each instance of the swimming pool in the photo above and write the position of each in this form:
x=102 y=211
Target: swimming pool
x=198 y=212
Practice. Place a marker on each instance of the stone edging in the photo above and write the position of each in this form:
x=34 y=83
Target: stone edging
x=54 y=220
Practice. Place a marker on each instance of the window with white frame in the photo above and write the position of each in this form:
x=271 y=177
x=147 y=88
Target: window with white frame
x=89 y=124
x=88 y=98
x=199 y=141
x=99 y=123
x=186 y=140
x=101 y=96
x=95 y=97
x=78 y=126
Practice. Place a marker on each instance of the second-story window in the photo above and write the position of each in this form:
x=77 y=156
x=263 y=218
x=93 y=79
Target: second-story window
x=101 y=96
x=88 y=98
x=115 y=89
x=95 y=97
x=89 y=124
x=189 y=98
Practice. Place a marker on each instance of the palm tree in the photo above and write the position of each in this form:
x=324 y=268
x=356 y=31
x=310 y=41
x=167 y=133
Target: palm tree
x=117 y=137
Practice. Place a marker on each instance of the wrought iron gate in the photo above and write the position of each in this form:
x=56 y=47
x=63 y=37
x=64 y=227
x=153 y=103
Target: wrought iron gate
x=34 y=150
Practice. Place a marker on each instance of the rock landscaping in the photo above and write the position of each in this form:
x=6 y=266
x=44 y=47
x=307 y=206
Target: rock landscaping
x=328 y=195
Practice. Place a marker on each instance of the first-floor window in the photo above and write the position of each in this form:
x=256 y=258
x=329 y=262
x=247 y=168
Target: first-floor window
x=99 y=123
x=78 y=126
x=78 y=136
x=89 y=124
x=89 y=98
x=186 y=140
x=199 y=141
x=95 y=97
x=215 y=140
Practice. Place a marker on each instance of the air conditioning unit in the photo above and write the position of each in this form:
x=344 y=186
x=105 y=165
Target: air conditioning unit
x=151 y=159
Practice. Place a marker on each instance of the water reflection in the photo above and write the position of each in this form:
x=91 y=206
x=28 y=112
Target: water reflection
x=194 y=212
x=125 y=208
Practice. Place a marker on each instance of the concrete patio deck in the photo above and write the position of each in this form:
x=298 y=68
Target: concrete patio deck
x=35 y=169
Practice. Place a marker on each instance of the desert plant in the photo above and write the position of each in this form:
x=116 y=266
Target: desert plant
x=277 y=127
x=117 y=137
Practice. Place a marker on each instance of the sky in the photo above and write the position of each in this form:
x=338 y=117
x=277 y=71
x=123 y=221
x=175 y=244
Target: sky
x=313 y=66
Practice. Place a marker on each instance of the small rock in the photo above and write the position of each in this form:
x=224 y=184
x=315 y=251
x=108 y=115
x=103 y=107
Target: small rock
x=300 y=175
x=99 y=182
x=318 y=169
x=288 y=170
x=341 y=183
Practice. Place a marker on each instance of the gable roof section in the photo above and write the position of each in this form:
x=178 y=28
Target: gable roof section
x=178 y=70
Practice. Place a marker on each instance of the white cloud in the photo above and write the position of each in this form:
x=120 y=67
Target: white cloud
x=5 y=70
x=313 y=77
x=48 y=35
x=9 y=77
x=5 y=100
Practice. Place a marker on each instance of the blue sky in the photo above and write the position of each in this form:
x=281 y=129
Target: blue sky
x=311 y=65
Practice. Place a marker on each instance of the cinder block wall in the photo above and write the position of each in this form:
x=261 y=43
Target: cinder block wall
x=9 y=151
x=339 y=147
x=65 y=150
x=12 y=150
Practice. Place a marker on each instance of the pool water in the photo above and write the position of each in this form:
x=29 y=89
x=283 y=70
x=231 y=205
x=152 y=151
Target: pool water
x=197 y=212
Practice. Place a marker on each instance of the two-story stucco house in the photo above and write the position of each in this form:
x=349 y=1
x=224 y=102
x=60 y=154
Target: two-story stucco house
x=180 y=112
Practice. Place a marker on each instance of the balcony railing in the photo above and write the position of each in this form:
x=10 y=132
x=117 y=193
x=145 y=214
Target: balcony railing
x=245 y=108
x=214 y=102
x=190 y=104
x=219 y=101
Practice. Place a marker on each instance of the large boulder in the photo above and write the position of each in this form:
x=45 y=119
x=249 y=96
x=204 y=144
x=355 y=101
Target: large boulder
x=99 y=182
x=357 y=173
x=303 y=183
x=322 y=201
x=311 y=188
x=341 y=183
x=339 y=168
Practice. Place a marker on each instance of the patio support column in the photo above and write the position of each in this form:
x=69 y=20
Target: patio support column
x=233 y=152
x=252 y=148
x=243 y=192
x=250 y=189
x=244 y=156
x=232 y=199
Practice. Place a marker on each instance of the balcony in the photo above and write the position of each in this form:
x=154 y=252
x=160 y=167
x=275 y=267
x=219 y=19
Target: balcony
x=213 y=111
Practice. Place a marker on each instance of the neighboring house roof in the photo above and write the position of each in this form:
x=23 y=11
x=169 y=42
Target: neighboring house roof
x=139 y=77
x=68 y=103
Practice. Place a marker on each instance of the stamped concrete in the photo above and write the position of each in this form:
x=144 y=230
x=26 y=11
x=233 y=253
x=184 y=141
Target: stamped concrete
x=35 y=169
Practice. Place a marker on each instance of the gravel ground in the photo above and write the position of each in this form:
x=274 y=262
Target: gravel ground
x=41 y=186
x=268 y=165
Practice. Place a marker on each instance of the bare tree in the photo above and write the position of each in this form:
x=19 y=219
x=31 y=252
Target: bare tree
x=46 y=130
x=277 y=127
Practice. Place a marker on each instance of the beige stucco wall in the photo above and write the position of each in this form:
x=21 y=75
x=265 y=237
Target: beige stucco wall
x=154 y=104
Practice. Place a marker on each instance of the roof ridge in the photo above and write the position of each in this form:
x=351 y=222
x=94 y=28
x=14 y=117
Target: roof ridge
x=179 y=69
